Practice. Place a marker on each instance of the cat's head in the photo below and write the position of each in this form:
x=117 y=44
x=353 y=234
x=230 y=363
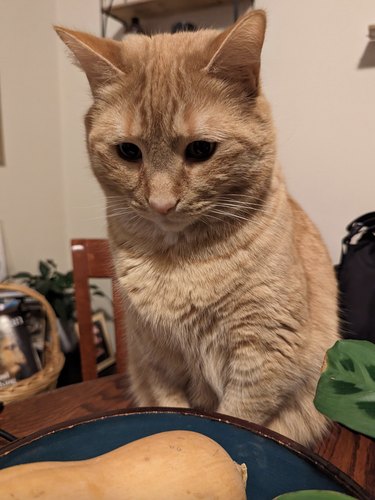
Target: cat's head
x=179 y=133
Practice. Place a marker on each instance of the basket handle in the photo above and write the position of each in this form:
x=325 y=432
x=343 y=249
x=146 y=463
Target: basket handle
x=47 y=306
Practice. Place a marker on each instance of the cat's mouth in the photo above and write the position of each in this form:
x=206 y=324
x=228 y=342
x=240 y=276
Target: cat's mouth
x=175 y=222
x=168 y=224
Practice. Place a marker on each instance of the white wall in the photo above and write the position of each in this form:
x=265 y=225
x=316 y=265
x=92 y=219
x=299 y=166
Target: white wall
x=31 y=202
x=323 y=107
x=83 y=200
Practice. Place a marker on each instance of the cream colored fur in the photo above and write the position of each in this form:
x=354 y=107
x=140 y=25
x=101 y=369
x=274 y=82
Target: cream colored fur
x=230 y=297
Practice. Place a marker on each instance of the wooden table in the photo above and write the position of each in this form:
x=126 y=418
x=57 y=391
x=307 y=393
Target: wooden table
x=353 y=453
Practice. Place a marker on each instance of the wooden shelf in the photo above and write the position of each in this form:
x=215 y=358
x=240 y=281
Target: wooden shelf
x=146 y=9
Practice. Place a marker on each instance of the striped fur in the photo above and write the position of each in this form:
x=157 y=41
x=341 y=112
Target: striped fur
x=230 y=299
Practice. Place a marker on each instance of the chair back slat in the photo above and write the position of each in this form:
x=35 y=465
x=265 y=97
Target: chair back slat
x=92 y=259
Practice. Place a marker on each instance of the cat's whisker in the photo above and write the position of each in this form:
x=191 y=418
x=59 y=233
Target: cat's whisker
x=245 y=209
x=113 y=216
x=241 y=204
x=253 y=222
x=118 y=207
x=250 y=197
x=242 y=200
x=222 y=220
x=115 y=203
x=229 y=214
x=250 y=202
x=213 y=217
x=135 y=218
x=121 y=211
x=233 y=200
x=202 y=219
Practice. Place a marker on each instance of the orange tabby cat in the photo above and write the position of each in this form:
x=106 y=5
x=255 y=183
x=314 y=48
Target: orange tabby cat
x=229 y=292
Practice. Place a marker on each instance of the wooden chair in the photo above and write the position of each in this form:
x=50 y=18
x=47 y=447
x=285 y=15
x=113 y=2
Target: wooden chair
x=92 y=259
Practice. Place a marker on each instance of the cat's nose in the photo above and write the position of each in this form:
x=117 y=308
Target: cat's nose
x=162 y=205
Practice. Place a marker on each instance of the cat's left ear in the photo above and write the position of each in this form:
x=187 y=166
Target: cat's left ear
x=100 y=58
x=236 y=51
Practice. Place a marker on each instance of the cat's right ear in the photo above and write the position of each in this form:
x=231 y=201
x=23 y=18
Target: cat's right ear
x=100 y=58
x=236 y=51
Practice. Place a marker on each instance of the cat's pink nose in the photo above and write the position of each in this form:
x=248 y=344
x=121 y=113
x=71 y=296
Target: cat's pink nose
x=162 y=205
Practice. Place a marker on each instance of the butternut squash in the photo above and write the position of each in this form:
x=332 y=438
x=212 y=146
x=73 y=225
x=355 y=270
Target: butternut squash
x=175 y=465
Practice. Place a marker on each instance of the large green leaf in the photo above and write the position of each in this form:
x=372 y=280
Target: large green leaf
x=314 y=495
x=346 y=389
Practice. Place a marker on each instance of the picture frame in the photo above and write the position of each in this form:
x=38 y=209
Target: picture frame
x=36 y=322
x=18 y=356
x=105 y=352
x=105 y=355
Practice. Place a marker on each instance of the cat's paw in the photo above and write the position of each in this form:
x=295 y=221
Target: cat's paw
x=174 y=402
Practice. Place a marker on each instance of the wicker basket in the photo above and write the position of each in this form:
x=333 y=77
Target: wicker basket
x=46 y=378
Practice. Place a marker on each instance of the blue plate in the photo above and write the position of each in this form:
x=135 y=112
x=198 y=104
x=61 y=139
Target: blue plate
x=275 y=465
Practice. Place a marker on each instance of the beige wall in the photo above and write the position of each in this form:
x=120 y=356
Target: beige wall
x=322 y=106
x=83 y=200
x=31 y=200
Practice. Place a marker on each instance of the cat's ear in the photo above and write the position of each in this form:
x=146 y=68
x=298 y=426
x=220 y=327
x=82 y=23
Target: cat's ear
x=100 y=58
x=236 y=51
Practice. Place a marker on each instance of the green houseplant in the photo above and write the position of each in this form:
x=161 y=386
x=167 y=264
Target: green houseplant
x=58 y=288
x=346 y=388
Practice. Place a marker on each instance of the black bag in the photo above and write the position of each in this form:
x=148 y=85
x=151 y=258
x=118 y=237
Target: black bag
x=356 y=279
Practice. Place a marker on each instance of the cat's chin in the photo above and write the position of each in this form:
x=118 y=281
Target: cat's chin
x=168 y=226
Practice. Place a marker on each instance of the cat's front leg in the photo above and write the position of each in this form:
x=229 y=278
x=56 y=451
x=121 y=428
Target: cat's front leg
x=154 y=381
x=274 y=395
x=245 y=407
x=150 y=388
x=256 y=387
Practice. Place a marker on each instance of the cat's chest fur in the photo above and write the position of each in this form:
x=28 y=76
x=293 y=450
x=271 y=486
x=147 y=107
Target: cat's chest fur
x=172 y=294
x=176 y=307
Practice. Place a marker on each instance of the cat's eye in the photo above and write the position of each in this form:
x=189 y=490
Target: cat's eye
x=129 y=151
x=200 y=150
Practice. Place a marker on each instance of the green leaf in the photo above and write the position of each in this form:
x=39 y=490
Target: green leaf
x=42 y=286
x=69 y=281
x=314 y=495
x=22 y=276
x=43 y=269
x=346 y=389
x=52 y=263
x=60 y=308
x=95 y=290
